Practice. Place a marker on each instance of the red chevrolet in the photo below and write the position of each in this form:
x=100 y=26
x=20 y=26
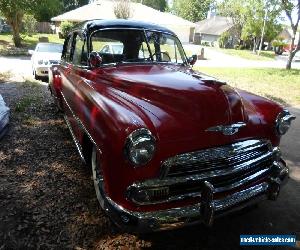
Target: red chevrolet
x=168 y=146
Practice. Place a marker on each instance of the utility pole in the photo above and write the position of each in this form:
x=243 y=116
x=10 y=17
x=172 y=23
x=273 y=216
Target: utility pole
x=263 y=30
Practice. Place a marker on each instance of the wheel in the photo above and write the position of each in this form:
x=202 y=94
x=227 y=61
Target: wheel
x=97 y=176
x=99 y=185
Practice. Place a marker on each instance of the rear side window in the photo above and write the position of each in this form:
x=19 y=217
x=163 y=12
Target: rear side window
x=80 y=51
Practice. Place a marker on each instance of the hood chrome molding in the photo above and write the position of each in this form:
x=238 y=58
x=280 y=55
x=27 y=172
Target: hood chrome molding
x=227 y=129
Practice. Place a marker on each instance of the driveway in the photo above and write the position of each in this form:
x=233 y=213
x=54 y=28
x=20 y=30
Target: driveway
x=216 y=58
x=18 y=66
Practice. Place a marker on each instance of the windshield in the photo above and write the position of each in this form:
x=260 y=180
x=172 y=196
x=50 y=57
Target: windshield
x=124 y=45
x=54 y=48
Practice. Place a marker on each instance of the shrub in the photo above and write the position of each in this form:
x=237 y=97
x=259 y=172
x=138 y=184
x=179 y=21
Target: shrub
x=239 y=47
x=122 y=9
x=206 y=44
x=29 y=24
x=223 y=40
x=65 y=28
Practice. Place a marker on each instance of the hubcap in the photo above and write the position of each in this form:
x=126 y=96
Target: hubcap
x=97 y=177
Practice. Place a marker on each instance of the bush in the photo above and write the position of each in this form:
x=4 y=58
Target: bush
x=223 y=40
x=65 y=28
x=29 y=24
x=239 y=47
x=206 y=44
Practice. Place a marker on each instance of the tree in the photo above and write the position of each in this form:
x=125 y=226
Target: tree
x=234 y=9
x=13 y=11
x=290 y=7
x=65 y=28
x=122 y=9
x=29 y=23
x=46 y=9
x=249 y=18
x=73 y=4
x=192 y=10
x=155 y=4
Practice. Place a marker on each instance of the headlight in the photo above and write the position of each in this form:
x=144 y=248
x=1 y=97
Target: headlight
x=283 y=122
x=40 y=62
x=140 y=147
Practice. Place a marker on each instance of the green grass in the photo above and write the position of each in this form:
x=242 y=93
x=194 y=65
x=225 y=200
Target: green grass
x=247 y=54
x=279 y=85
x=28 y=42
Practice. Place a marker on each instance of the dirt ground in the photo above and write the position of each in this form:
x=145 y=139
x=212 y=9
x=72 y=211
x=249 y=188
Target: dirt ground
x=48 y=201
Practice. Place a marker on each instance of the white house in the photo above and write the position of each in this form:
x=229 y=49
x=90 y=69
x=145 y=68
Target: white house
x=104 y=9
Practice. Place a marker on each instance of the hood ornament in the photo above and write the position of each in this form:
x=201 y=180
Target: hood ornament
x=227 y=130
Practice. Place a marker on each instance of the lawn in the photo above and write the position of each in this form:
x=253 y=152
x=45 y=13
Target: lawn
x=277 y=84
x=247 y=54
x=29 y=42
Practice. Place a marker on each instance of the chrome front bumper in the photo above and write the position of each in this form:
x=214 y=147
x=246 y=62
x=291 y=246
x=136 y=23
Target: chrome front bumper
x=203 y=212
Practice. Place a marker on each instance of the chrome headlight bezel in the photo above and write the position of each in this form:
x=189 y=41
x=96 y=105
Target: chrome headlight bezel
x=283 y=122
x=138 y=141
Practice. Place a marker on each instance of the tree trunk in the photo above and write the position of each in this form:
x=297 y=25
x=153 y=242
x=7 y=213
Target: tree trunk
x=16 y=35
x=254 y=46
x=15 y=22
x=291 y=54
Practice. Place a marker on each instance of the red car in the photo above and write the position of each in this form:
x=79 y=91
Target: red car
x=168 y=146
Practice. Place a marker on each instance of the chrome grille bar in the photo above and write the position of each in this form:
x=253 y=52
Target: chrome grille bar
x=212 y=159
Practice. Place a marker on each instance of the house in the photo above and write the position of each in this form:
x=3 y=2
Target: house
x=287 y=34
x=104 y=9
x=211 y=29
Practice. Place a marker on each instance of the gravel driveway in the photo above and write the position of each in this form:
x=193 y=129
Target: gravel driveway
x=48 y=201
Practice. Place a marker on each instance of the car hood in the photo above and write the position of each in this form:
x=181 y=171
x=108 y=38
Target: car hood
x=181 y=103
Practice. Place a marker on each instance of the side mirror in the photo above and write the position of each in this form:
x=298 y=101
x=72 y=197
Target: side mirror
x=30 y=52
x=95 y=60
x=193 y=60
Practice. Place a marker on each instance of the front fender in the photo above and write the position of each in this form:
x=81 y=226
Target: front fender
x=267 y=112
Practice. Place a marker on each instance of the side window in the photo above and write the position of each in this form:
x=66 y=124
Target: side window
x=80 y=51
x=67 y=48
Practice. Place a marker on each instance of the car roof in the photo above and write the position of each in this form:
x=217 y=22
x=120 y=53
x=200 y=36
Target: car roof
x=92 y=25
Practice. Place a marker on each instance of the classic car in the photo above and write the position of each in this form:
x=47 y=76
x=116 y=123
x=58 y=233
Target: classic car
x=168 y=146
x=44 y=55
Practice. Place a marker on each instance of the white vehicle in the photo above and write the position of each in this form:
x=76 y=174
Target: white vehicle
x=112 y=48
x=44 y=55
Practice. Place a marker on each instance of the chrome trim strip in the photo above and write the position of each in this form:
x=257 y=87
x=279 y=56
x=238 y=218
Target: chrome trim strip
x=77 y=144
x=81 y=125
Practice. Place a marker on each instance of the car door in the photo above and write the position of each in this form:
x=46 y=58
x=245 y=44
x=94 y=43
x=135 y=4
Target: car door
x=75 y=83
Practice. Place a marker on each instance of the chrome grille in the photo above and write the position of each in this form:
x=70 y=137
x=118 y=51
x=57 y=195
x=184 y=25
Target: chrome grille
x=214 y=159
